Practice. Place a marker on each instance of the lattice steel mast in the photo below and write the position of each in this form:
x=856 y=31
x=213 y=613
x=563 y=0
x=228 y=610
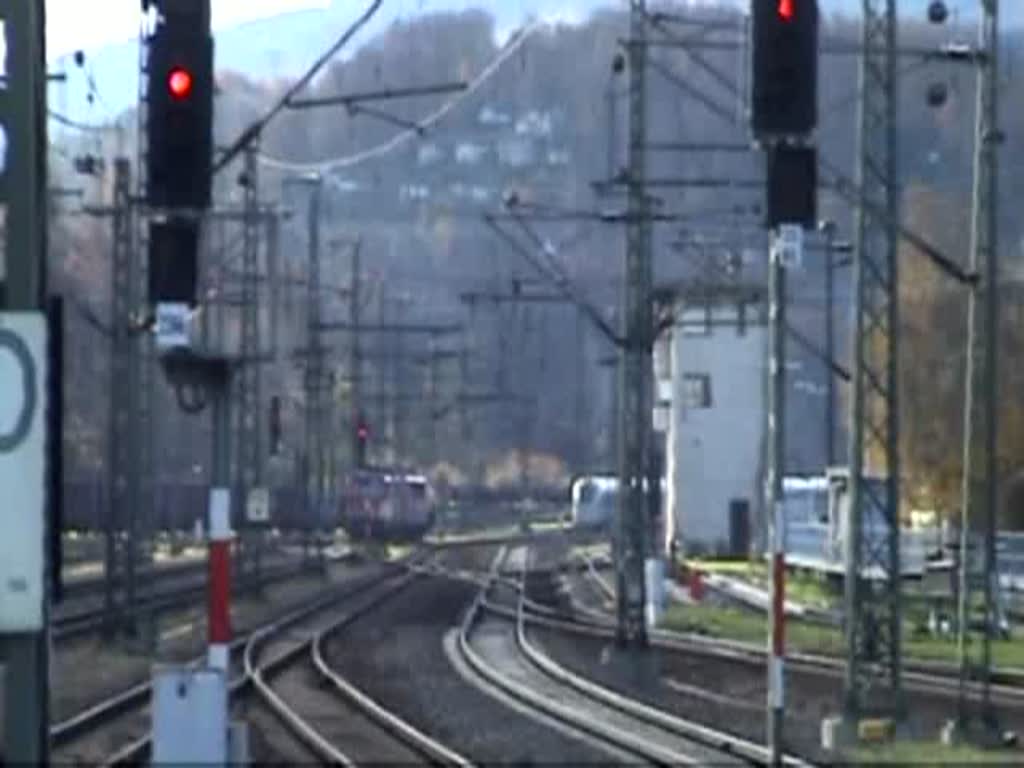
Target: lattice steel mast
x=123 y=389
x=635 y=357
x=250 y=461
x=873 y=605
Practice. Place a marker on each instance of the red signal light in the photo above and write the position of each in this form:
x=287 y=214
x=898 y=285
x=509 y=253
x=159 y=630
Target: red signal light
x=786 y=10
x=362 y=432
x=179 y=83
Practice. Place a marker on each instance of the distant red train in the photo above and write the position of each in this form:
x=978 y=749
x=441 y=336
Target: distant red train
x=386 y=506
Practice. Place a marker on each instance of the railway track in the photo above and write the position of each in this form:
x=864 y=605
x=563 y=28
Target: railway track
x=73 y=623
x=115 y=730
x=86 y=586
x=328 y=711
x=493 y=642
x=920 y=677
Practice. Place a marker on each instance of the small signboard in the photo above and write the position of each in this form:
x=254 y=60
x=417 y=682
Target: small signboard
x=257 y=506
x=661 y=417
x=171 y=326
x=788 y=245
x=664 y=391
x=23 y=404
x=190 y=716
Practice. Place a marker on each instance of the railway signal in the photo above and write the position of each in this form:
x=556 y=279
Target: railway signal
x=362 y=438
x=275 y=425
x=784 y=98
x=792 y=189
x=179 y=135
x=180 y=103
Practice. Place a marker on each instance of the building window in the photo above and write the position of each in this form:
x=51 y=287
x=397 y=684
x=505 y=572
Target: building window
x=696 y=390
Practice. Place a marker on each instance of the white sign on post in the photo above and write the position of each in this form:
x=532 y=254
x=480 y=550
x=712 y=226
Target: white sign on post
x=190 y=716
x=23 y=393
x=171 y=326
x=789 y=245
x=661 y=417
x=257 y=507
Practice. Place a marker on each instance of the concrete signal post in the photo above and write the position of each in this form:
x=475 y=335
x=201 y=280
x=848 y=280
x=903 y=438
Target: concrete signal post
x=784 y=91
x=28 y=454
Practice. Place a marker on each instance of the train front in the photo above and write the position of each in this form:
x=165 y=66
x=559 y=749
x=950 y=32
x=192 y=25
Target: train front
x=386 y=506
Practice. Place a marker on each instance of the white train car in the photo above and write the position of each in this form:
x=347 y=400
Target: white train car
x=817 y=511
x=594 y=501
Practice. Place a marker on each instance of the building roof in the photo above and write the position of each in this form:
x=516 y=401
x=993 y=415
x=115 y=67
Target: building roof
x=701 y=292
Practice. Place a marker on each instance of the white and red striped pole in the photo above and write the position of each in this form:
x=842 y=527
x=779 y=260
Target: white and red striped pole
x=219 y=589
x=777 y=655
x=786 y=247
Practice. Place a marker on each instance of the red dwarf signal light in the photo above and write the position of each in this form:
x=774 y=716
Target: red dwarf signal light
x=363 y=432
x=179 y=83
x=786 y=10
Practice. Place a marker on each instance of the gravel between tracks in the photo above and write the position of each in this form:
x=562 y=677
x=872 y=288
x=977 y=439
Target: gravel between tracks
x=396 y=655
x=302 y=688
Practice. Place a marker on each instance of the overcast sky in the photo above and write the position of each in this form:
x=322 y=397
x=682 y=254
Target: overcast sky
x=75 y=24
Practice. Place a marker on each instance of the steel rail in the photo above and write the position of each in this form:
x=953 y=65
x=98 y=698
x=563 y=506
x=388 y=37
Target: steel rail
x=96 y=716
x=613 y=737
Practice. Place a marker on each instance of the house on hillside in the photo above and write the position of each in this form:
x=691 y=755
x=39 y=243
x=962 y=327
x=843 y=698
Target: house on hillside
x=469 y=153
x=492 y=116
x=535 y=123
x=428 y=153
x=516 y=151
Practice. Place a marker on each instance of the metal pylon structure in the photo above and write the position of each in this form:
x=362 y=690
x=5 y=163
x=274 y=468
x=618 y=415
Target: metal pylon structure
x=314 y=380
x=123 y=390
x=635 y=373
x=466 y=437
x=978 y=575
x=250 y=459
x=356 y=350
x=143 y=360
x=873 y=606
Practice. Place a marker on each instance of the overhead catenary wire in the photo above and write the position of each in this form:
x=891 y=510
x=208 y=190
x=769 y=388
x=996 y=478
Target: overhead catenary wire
x=558 y=281
x=401 y=138
x=849 y=190
x=80 y=126
x=254 y=130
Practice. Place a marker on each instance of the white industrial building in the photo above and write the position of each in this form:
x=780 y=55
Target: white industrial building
x=711 y=407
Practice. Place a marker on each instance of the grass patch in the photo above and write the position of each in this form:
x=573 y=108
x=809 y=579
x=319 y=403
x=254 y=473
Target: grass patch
x=927 y=753
x=397 y=551
x=747 y=626
x=726 y=567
